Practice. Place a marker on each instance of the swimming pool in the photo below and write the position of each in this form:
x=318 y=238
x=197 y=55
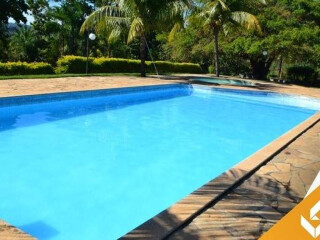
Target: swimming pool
x=220 y=81
x=96 y=164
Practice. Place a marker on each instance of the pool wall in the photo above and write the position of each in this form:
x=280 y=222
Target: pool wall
x=52 y=97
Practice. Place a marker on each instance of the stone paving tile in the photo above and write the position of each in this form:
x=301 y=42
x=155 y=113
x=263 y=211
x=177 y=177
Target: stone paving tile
x=262 y=200
x=8 y=232
x=53 y=85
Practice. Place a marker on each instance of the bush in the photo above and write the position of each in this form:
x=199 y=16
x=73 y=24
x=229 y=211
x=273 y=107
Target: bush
x=170 y=67
x=75 y=64
x=115 y=65
x=304 y=75
x=212 y=69
x=232 y=64
x=23 y=68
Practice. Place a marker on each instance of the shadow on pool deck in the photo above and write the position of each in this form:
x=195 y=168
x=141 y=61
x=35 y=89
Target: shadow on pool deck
x=155 y=227
x=245 y=212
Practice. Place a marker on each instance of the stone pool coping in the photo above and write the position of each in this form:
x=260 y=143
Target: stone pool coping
x=180 y=214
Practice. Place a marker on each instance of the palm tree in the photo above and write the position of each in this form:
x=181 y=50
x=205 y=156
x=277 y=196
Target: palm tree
x=223 y=15
x=139 y=17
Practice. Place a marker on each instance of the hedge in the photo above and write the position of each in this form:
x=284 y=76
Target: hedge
x=304 y=75
x=76 y=64
x=23 y=68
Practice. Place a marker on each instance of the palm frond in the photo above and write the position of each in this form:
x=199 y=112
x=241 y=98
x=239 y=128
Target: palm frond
x=217 y=5
x=114 y=35
x=136 y=28
x=112 y=15
x=176 y=28
x=247 y=20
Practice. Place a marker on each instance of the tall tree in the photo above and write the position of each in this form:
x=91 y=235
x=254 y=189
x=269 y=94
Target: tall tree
x=71 y=14
x=14 y=9
x=223 y=15
x=140 y=17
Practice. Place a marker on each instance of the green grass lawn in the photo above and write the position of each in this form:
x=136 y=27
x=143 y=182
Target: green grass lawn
x=65 y=75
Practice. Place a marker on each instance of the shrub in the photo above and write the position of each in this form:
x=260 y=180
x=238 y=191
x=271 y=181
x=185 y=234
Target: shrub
x=304 y=75
x=212 y=69
x=75 y=64
x=115 y=65
x=23 y=68
x=170 y=67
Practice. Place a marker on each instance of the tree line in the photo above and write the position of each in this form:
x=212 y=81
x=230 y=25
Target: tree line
x=253 y=37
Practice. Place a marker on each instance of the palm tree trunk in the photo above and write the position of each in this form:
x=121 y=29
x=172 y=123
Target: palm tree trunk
x=143 y=55
x=216 y=52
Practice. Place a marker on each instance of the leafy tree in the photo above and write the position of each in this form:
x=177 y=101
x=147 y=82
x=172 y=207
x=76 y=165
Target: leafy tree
x=290 y=34
x=3 y=42
x=10 y=9
x=13 y=9
x=138 y=17
x=45 y=30
x=71 y=14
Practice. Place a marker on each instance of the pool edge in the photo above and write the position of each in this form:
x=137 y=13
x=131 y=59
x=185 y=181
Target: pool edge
x=73 y=95
x=184 y=211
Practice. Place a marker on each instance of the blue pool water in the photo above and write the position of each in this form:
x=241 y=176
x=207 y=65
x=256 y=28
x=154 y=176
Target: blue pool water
x=95 y=168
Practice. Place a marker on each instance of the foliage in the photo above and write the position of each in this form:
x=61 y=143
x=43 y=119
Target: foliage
x=175 y=30
x=137 y=19
x=23 y=68
x=14 y=9
x=290 y=31
x=305 y=75
x=73 y=64
x=45 y=76
x=76 y=64
x=115 y=65
x=23 y=45
x=223 y=15
x=170 y=67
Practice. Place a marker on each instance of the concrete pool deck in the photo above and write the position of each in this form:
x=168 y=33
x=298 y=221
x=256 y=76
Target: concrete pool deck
x=244 y=212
